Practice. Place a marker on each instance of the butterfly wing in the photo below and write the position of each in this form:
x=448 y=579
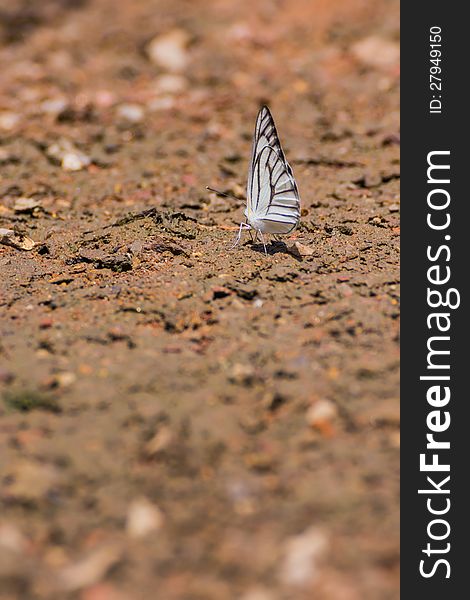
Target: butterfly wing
x=273 y=201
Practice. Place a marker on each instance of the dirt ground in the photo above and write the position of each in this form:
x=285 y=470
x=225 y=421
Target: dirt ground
x=179 y=420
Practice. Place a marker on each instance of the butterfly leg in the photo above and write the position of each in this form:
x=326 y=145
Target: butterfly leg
x=264 y=244
x=239 y=236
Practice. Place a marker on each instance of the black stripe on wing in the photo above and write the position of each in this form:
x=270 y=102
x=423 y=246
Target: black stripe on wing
x=286 y=191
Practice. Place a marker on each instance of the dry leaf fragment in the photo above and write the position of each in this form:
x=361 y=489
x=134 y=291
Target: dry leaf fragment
x=20 y=241
x=300 y=250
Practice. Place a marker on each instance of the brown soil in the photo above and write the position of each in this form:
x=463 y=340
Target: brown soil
x=248 y=403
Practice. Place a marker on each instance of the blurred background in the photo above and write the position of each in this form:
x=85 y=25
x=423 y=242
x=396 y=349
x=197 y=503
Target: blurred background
x=91 y=62
x=179 y=421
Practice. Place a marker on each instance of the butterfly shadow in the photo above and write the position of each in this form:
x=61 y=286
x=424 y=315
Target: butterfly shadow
x=273 y=247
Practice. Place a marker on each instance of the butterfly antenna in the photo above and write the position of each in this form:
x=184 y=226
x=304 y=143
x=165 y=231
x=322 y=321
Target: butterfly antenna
x=222 y=193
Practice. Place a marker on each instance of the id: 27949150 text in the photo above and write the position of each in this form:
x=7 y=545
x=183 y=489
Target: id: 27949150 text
x=435 y=69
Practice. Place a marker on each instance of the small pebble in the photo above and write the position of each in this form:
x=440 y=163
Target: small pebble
x=9 y=120
x=104 y=98
x=74 y=162
x=169 y=50
x=11 y=538
x=163 y=103
x=89 y=570
x=320 y=415
x=133 y=113
x=242 y=374
x=136 y=247
x=25 y=205
x=170 y=84
x=54 y=106
x=302 y=554
x=65 y=379
x=143 y=518
x=68 y=156
x=159 y=441
x=377 y=52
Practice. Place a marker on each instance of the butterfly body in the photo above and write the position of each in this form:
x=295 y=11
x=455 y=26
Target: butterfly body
x=272 y=198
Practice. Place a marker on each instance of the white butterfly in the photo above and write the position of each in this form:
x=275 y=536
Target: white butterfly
x=272 y=196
